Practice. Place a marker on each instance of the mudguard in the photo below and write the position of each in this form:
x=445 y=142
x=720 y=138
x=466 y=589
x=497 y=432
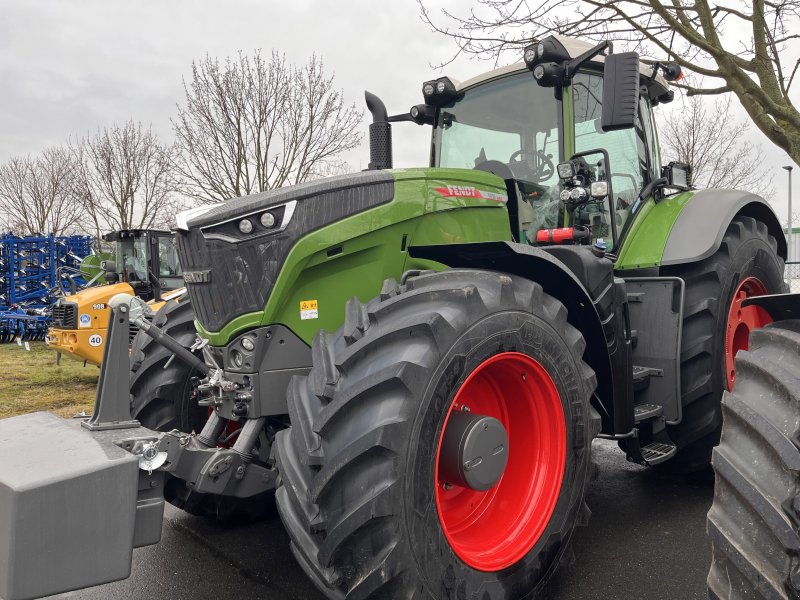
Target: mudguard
x=700 y=226
x=558 y=281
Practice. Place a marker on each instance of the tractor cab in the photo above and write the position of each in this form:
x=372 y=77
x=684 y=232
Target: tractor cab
x=574 y=174
x=144 y=263
x=147 y=260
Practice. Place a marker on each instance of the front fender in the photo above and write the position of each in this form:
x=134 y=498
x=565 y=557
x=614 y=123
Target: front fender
x=556 y=280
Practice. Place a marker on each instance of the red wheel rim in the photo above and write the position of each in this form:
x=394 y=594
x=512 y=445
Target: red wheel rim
x=741 y=321
x=493 y=530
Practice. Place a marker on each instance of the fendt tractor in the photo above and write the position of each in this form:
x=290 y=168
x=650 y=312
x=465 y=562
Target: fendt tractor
x=416 y=361
x=144 y=263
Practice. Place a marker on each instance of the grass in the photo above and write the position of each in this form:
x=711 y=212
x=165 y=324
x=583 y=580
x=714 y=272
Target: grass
x=31 y=381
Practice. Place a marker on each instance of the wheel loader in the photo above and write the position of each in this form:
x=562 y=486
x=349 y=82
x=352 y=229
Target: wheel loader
x=144 y=263
x=417 y=361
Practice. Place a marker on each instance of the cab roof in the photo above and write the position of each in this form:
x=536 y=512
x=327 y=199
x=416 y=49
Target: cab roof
x=125 y=234
x=573 y=46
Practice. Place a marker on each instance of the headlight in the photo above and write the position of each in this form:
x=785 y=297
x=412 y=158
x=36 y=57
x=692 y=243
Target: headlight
x=427 y=89
x=268 y=219
x=599 y=189
x=246 y=226
x=237 y=359
x=577 y=193
x=440 y=87
x=566 y=170
x=248 y=344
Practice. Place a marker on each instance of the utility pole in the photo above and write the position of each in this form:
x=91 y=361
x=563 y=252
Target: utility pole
x=789 y=228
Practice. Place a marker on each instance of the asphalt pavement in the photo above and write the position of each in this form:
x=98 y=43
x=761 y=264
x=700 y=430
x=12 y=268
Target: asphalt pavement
x=645 y=541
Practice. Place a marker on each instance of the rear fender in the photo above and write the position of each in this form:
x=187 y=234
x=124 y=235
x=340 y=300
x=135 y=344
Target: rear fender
x=557 y=281
x=700 y=226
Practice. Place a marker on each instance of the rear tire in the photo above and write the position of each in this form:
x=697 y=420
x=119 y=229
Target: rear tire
x=362 y=496
x=747 y=251
x=754 y=520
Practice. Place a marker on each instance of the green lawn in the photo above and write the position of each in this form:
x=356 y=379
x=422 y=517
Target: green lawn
x=31 y=381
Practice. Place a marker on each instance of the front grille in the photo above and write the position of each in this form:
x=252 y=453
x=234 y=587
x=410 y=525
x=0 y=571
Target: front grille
x=65 y=315
x=241 y=274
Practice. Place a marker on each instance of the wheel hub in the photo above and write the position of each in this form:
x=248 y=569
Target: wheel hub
x=507 y=413
x=474 y=451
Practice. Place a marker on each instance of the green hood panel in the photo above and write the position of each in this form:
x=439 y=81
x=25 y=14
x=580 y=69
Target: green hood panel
x=353 y=256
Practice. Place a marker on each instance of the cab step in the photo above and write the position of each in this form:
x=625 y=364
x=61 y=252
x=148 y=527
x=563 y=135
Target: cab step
x=657 y=452
x=642 y=375
x=644 y=412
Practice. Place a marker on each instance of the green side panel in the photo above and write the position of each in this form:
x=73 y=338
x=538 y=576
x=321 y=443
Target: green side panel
x=644 y=245
x=353 y=256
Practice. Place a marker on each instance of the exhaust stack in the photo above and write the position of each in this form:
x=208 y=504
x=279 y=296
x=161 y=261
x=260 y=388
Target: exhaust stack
x=380 y=134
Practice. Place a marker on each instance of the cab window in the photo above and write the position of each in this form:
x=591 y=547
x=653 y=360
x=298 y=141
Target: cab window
x=168 y=263
x=627 y=148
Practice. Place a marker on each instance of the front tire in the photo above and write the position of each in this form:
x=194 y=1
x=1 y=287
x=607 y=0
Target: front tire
x=754 y=520
x=363 y=495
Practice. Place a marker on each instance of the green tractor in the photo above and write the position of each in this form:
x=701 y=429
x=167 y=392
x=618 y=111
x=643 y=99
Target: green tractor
x=417 y=361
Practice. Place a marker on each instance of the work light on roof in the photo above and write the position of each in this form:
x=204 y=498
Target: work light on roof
x=439 y=92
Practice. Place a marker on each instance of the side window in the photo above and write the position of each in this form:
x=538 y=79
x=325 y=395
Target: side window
x=627 y=150
x=168 y=265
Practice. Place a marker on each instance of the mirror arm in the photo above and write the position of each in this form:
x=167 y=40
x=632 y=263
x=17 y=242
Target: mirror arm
x=401 y=117
x=572 y=66
x=650 y=188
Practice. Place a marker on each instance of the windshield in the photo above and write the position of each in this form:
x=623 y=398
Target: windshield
x=132 y=259
x=514 y=121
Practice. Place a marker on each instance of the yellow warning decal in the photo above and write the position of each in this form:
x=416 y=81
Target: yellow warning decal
x=308 y=310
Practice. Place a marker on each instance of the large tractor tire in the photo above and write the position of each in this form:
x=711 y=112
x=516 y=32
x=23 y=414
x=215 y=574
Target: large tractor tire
x=160 y=384
x=161 y=399
x=715 y=328
x=378 y=499
x=754 y=522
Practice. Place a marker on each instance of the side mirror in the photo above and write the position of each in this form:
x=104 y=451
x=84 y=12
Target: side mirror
x=620 y=91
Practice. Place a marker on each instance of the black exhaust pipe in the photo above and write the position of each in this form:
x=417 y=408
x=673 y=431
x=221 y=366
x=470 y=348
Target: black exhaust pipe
x=380 y=134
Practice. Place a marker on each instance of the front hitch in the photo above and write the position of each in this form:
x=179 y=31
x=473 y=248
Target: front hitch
x=77 y=496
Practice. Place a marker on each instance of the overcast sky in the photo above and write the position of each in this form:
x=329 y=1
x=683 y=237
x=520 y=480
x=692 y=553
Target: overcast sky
x=69 y=66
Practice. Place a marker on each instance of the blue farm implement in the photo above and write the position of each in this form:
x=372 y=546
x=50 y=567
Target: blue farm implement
x=31 y=268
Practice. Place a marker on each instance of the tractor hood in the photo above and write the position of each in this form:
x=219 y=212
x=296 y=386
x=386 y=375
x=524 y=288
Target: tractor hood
x=252 y=261
x=229 y=273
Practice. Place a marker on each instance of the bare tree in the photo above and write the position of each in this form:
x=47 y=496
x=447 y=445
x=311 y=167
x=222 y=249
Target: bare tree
x=249 y=125
x=709 y=138
x=37 y=193
x=747 y=48
x=126 y=178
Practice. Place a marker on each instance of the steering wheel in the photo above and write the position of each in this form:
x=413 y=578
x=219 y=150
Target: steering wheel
x=543 y=170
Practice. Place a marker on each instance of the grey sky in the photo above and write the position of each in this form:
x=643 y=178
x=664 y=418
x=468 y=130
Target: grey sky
x=67 y=67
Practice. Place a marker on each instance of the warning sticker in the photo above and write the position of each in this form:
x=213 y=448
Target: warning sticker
x=85 y=320
x=308 y=310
